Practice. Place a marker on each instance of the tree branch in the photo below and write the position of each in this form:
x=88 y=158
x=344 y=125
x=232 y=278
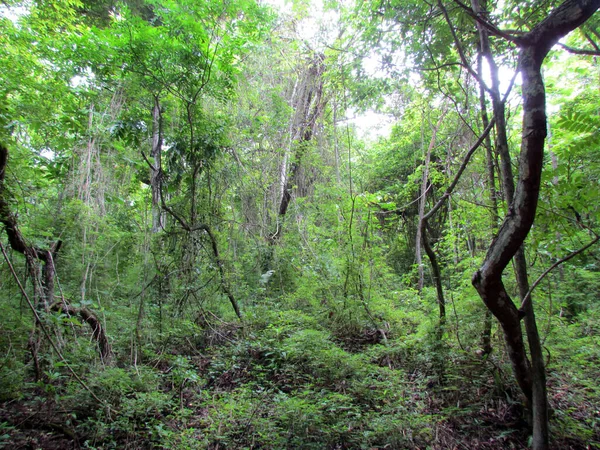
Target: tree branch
x=527 y=297
x=580 y=51
x=512 y=36
x=461 y=52
x=462 y=168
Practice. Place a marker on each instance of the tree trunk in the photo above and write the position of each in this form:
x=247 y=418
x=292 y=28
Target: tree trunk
x=156 y=169
x=486 y=335
x=308 y=105
x=421 y=237
x=535 y=45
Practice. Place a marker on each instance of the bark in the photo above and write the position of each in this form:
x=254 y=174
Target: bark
x=484 y=47
x=422 y=202
x=535 y=45
x=421 y=238
x=88 y=316
x=437 y=277
x=156 y=169
x=516 y=345
x=308 y=104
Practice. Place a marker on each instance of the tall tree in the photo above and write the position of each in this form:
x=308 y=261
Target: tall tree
x=534 y=47
x=308 y=103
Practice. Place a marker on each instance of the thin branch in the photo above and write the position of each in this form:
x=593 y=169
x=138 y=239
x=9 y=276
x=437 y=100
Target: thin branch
x=149 y=163
x=461 y=52
x=402 y=208
x=580 y=51
x=591 y=40
x=510 y=86
x=441 y=66
x=462 y=168
x=527 y=297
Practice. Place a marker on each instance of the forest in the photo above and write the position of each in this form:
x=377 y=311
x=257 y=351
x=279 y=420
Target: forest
x=299 y=224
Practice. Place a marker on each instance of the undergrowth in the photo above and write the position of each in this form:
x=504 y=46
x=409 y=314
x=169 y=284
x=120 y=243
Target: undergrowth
x=285 y=380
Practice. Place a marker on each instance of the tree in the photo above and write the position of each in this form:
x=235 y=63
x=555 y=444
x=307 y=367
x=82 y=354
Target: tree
x=533 y=46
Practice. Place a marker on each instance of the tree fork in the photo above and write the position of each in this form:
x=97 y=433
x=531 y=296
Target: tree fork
x=535 y=45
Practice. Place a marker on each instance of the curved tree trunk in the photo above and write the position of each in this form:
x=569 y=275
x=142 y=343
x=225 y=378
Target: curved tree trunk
x=45 y=296
x=535 y=45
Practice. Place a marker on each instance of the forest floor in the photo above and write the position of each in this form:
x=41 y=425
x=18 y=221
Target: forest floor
x=286 y=385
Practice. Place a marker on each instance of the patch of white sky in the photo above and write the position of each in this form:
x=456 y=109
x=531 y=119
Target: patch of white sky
x=14 y=12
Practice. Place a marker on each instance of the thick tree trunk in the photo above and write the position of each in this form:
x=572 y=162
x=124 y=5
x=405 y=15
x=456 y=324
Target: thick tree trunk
x=308 y=105
x=535 y=45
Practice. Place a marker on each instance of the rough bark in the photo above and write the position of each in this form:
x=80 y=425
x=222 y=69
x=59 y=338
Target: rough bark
x=535 y=45
x=308 y=105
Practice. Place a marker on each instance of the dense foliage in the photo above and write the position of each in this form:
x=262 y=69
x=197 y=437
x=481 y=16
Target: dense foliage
x=205 y=245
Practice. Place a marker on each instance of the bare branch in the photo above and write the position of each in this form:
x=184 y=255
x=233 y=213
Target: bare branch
x=527 y=297
x=462 y=168
x=580 y=51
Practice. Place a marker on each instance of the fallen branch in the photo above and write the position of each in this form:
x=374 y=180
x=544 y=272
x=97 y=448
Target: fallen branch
x=88 y=316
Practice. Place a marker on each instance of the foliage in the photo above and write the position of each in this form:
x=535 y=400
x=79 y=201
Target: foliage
x=337 y=346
